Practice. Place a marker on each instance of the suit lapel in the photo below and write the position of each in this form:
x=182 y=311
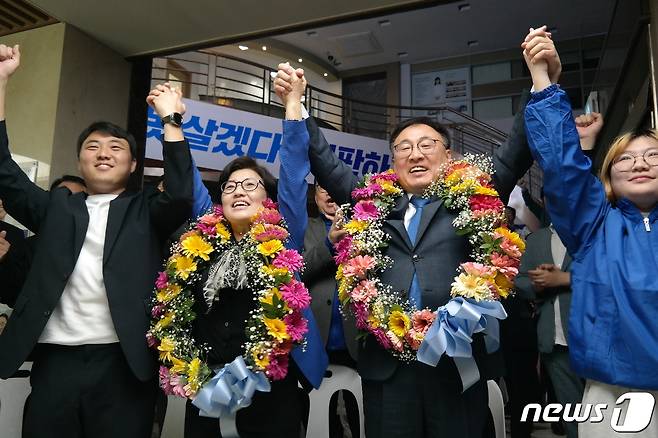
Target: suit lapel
x=115 y=217
x=429 y=212
x=81 y=218
x=396 y=219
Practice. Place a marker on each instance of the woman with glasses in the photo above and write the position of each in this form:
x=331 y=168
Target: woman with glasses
x=245 y=187
x=610 y=228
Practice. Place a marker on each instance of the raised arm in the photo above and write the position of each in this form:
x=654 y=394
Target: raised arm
x=23 y=199
x=334 y=175
x=575 y=198
x=173 y=206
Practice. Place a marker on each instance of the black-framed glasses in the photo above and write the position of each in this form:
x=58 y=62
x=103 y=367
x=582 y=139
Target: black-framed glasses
x=626 y=161
x=426 y=146
x=248 y=184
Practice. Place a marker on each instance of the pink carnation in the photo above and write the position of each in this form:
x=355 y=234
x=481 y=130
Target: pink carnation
x=358 y=266
x=343 y=249
x=289 y=259
x=397 y=343
x=177 y=387
x=477 y=269
x=413 y=338
x=157 y=311
x=386 y=176
x=269 y=216
x=278 y=366
x=219 y=210
x=422 y=320
x=165 y=383
x=209 y=230
x=272 y=232
x=365 y=210
x=364 y=291
x=360 y=311
x=504 y=261
x=381 y=337
x=268 y=203
x=162 y=280
x=510 y=249
x=297 y=326
x=296 y=295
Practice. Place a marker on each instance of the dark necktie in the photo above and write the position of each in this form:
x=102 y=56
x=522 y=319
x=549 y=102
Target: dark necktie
x=412 y=230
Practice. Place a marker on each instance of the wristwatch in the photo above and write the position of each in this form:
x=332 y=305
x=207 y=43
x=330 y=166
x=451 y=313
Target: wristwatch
x=175 y=119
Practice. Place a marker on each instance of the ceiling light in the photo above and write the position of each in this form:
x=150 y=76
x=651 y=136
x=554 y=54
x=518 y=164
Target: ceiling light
x=473 y=43
x=464 y=7
x=299 y=59
x=264 y=48
x=402 y=54
x=243 y=47
x=384 y=23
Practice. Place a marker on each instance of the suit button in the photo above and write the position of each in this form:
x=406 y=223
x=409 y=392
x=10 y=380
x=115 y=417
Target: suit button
x=46 y=313
x=226 y=324
x=415 y=257
x=328 y=302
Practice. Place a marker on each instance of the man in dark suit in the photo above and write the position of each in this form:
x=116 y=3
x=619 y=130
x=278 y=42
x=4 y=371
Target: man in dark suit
x=414 y=399
x=545 y=278
x=85 y=302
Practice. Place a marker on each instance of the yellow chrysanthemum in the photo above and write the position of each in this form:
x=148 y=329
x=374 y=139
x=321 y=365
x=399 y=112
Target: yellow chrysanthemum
x=276 y=328
x=261 y=358
x=167 y=294
x=470 y=286
x=454 y=177
x=513 y=237
x=343 y=289
x=178 y=366
x=270 y=247
x=389 y=188
x=184 y=266
x=355 y=226
x=165 y=348
x=193 y=374
x=257 y=229
x=463 y=187
x=274 y=271
x=269 y=296
x=503 y=285
x=399 y=323
x=339 y=273
x=195 y=246
x=223 y=233
x=164 y=321
x=481 y=190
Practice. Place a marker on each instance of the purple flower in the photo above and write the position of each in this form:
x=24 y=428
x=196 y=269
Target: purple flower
x=165 y=378
x=157 y=311
x=381 y=337
x=151 y=340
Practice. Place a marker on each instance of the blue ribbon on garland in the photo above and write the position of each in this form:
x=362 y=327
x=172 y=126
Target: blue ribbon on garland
x=452 y=333
x=230 y=390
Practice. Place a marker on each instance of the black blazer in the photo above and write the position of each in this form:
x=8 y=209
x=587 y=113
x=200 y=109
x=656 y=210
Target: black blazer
x=437 y=253
x=138 y=224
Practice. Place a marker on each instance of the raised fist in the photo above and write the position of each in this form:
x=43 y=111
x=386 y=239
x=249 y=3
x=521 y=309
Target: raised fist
x=10 y=59
x=588 y=127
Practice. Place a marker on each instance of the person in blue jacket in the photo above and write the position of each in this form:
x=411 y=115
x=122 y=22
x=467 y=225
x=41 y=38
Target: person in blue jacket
x=610 y=228
x=245 y=184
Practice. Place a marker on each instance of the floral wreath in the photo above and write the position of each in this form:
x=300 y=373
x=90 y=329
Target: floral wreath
x=465 y=187
x=274 y=327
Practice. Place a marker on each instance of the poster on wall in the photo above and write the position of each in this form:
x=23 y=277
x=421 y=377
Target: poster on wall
x=218 y=134
x=450 y=88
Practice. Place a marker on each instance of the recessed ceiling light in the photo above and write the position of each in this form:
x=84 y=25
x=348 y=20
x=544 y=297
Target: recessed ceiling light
x=264 y=48
x=325 y=75
x=402 y=54
x=464 y=7
x=312 y=33
x=299 y=59
x=384 y=23
x=243 y=47
x=473 y=43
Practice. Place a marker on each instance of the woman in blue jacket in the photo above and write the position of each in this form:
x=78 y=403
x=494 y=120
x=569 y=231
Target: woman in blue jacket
x=610 y=228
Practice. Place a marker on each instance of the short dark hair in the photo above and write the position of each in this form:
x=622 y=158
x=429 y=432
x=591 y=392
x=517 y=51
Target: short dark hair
x=111 y=129
x=67 y=178
x=249 y=163
x=438 y=127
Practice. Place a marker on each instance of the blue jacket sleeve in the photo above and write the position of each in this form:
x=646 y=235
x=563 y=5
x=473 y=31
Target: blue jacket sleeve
x=576 y=199
x=292 y=187
x=202 y=201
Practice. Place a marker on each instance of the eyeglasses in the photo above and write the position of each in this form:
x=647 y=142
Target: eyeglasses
x=625 y=162
x=248 y=184
x=426 y=146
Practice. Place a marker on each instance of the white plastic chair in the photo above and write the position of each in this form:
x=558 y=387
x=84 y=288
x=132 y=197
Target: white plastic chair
x=497 y=408
x=13 y=393
x=342 y=378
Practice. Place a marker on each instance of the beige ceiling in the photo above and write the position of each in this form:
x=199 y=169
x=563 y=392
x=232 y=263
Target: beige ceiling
x=141 y=27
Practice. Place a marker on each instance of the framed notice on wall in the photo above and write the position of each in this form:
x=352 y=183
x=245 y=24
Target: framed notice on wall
x=442 y=88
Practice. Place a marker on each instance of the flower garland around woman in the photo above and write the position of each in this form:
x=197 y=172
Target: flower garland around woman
x=274 y=327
